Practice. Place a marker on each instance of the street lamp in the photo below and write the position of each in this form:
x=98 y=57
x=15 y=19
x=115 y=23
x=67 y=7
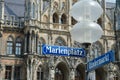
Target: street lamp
x=86 y=31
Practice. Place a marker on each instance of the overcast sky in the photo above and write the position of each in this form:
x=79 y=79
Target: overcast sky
x=111 y=1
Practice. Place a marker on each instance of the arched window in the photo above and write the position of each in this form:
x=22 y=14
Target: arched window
x=60 y=41
x=40 y=43
x=18 y=47
x=10 y=45
x=33 y=10
x=39 y=73
x=63 y=19
x=45 y=18
x=55 y=18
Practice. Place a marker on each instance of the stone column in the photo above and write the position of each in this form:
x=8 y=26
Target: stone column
x=52 y=73
x=2 y=9
x=35 y=40
x=72 y=74
x=37 y=43
x=1 y=69
x=30 y=43
x=25 y=44
x=12 y=75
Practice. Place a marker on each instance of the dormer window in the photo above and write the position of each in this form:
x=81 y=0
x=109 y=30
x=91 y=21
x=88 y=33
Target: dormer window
x=12 y=19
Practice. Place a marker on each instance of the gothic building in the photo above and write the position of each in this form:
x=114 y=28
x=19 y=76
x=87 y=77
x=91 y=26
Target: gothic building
x=27 y=24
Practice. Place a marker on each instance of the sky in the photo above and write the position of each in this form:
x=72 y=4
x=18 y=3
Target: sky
x=113 y=1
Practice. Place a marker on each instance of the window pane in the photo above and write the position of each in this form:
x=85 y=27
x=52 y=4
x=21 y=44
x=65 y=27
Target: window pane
x=17 y=73
x=18 y=48
x=8 y=72
x=9 y=47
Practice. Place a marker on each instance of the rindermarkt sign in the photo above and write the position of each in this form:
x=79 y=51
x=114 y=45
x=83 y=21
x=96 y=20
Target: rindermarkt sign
x=101 y=60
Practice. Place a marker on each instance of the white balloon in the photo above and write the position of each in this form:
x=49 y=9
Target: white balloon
x=86 y=32
x=86 y=10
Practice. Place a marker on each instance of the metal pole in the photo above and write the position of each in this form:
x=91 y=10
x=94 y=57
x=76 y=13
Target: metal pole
x=87 y=50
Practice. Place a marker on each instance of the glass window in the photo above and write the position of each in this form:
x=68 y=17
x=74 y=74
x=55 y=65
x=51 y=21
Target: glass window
x=8 y=72
x=39 y=74
x=17 y=73
x=10 y=45
x=33 y=11
x=18 y=46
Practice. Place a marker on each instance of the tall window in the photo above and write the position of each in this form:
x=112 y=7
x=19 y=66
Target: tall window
x=8 y=72
x=39 y=74
x=10 y=45
x=33 y=10
x=41 y=41
x=18 y=46
x=63 y=19
x=17 y=73
x=55 y=18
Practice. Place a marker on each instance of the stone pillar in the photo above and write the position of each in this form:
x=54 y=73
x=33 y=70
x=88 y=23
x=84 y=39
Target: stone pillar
x=35 y=40
x=25 y=44
x=59 y=19
x=52 y=73
x=72 y=74
x=30 y=43
x=1 y=69
x=2 y=10
x=12 y=75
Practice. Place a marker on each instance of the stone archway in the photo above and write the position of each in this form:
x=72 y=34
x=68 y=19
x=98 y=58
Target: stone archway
x=80 y=72
x=101 y=74
x=61 y=72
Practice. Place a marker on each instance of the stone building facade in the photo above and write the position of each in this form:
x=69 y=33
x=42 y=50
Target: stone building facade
x=27 y=24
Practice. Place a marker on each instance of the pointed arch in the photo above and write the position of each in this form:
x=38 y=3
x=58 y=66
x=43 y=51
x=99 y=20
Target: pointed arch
x=61 y=71
x=80 y=72
x=63 y=19
x=55 y=18
x=45 y=18
x=40 y=73
x=60 y=41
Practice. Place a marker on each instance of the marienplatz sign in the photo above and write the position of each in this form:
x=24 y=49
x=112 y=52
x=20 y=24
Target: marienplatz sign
x=63 y=51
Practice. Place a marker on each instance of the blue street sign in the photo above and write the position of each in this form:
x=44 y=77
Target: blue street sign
x=100 y=61
x=63 y=51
